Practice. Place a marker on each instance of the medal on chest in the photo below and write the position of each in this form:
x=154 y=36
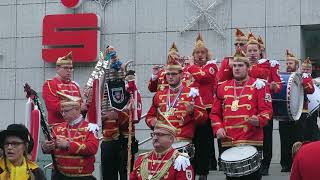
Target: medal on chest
x=235 y=105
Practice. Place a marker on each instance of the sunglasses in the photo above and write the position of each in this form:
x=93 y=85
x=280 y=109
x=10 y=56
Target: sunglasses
x=240 y=44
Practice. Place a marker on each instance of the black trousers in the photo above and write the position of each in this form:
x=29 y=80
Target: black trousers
x=310 y=130
x=204 y=148
x=253 y=176
x=59 y=176
x=114 y=158
x=289 y=134
x=267 y=144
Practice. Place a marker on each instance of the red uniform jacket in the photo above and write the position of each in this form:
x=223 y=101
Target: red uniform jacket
x=151 y=164
x=80 y=157
x=206 y=80
x=51 y=99
x=111 y=128
x=225 y=71
x=183 y=121
x=307 y=83
x=306 y=162
x=160 y=83
x=252 y=101
x=264 y=69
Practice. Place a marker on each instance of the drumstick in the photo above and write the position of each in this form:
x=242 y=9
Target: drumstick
x=229 y=137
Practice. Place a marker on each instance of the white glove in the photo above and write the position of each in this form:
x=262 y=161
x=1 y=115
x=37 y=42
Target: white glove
x=93 y=127
x=305 y=75
x=274 y=63
x=181 y=163
x=211 y=62
x=194 y=92
x=259 y=83
x=153 y=77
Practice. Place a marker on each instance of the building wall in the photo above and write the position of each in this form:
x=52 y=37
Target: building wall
x=141 y=30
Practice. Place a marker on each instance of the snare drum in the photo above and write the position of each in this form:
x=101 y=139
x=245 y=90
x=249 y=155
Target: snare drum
x=288 y=103
x=240 y=161
x=184 y=147
x=314 y=100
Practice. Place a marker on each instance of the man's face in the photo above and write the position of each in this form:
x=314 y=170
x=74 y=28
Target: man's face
x=242 y=46
x=70 y=113
x=161 y=140
x=65 y=71
x=253 y=53
x=291 y=66
x=200 y=56
x=173 y=78
x=240 y=70
x=306 y=70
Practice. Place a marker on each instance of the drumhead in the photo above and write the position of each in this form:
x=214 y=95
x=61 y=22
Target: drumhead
x=180 y=144
x=294 y=97
x=238 y=153
x=314 y=100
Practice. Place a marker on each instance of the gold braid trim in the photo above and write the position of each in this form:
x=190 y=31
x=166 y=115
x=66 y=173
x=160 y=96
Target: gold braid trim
x=161 y=172
x=50 y=88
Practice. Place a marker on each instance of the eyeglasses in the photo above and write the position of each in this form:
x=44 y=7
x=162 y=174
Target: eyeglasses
x=13 y=144
x=158 y=134
x=172 y=74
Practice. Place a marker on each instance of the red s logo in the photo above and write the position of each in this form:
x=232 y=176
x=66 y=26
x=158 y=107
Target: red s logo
x=78 y=33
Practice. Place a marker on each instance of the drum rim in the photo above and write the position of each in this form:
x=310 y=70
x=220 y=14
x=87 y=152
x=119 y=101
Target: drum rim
x=256 y=151
x=290 y=81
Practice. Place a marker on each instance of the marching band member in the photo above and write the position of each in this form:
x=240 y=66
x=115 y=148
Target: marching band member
x=310 y=130
x=61 y=82
x=115 y=123
x=179 y=105
x=74 y=146
x=17 y=143
x=241 y=108
x=163 y=162
x=289 y=130
x=267 y=70
x=225 y=70
x=204 y=72
x=158 y=80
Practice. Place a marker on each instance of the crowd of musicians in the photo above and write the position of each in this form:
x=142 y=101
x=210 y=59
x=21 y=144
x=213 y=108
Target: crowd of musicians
x=195 y=100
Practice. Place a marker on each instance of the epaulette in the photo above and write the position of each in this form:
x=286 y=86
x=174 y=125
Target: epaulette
x=48 y=82
x=219 y=83
x=274 y=63
x=260 y=61
x=145 y=154
x=75 y=83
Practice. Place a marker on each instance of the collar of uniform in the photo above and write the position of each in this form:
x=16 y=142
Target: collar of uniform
x=241 y=82
x=160 y=155
x=76 y=121
x=175 y=89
